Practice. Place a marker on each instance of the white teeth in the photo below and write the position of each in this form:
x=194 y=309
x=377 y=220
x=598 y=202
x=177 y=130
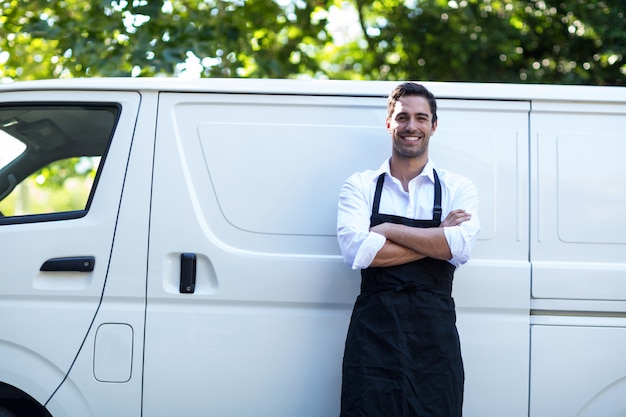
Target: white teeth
x=412 y=138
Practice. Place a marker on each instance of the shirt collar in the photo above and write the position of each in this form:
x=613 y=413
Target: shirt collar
x=427 y=171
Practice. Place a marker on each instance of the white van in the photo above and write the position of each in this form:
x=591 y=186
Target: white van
x=168 y=247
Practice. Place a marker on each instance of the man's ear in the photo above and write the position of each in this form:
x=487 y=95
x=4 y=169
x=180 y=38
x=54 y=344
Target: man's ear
x=434 y=127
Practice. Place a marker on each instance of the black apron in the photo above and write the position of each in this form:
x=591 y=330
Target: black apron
x=402 y=356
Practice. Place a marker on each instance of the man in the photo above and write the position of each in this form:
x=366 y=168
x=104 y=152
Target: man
x=402 y=355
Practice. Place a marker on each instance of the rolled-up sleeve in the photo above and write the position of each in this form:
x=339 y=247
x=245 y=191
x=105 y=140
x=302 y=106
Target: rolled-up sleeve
x=367 y=251
x=461 y=238
x=358 y=245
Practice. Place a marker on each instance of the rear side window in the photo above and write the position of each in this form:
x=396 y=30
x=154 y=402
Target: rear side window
x=50 y=158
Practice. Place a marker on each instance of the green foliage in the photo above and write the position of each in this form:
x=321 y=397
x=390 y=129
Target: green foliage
x=56 y=174
x=497 y=40
x=61 y=186
x=149 y=38
x=544 y=41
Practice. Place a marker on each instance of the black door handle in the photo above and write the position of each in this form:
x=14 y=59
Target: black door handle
x=187 y=273
x=70 y=264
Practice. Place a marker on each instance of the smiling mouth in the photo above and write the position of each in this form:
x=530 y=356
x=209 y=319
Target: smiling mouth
x=412 y=138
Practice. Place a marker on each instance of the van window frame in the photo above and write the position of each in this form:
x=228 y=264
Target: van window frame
x=116 y=110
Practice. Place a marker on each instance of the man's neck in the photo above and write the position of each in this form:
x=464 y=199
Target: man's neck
x=405 y=169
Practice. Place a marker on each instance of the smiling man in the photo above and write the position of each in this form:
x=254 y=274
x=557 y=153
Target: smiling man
x=402 y=355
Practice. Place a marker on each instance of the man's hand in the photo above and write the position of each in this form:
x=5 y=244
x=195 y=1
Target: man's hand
x=455 y=218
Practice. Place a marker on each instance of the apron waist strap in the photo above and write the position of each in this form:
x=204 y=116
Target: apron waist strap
x=407 y=287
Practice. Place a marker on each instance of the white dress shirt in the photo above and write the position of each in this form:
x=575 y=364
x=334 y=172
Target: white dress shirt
x=359 y=246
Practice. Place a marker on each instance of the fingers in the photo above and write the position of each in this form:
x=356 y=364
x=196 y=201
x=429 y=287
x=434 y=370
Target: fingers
x=455 y=218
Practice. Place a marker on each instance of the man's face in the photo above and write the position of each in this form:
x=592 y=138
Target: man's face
x=411 y=127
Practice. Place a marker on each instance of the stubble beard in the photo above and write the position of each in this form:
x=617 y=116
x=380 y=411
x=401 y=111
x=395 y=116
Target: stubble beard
x=403 y=151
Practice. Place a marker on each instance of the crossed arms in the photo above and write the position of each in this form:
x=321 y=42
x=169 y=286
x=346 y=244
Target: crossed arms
x=392 y=244
x=406 y=244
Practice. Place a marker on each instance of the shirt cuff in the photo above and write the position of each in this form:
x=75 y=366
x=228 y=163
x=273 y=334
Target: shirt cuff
x=459 y=245
x=368 y=250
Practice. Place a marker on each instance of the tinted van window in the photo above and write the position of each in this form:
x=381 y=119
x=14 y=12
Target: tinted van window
x=51 y=155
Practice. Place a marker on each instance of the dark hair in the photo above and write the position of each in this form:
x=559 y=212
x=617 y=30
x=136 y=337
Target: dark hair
x=411 y=89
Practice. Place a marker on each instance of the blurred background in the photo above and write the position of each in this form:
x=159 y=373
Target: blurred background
x=511 y=41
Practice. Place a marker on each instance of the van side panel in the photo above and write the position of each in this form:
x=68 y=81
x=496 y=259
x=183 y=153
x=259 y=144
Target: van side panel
x=578 y=254
x=248 y=184
x=579 y=228
x=578 y=367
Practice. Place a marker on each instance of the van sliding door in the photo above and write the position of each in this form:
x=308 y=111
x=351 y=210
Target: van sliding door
x=248 y=297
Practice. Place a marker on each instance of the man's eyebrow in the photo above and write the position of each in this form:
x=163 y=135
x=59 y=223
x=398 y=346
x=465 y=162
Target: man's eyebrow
x=421 y=114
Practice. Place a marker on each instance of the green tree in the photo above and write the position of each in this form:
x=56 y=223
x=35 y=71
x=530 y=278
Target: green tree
x=539 y=41
x=545 y=41
x=75 y=38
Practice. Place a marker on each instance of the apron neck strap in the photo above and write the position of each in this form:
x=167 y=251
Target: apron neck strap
x=436 y=205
